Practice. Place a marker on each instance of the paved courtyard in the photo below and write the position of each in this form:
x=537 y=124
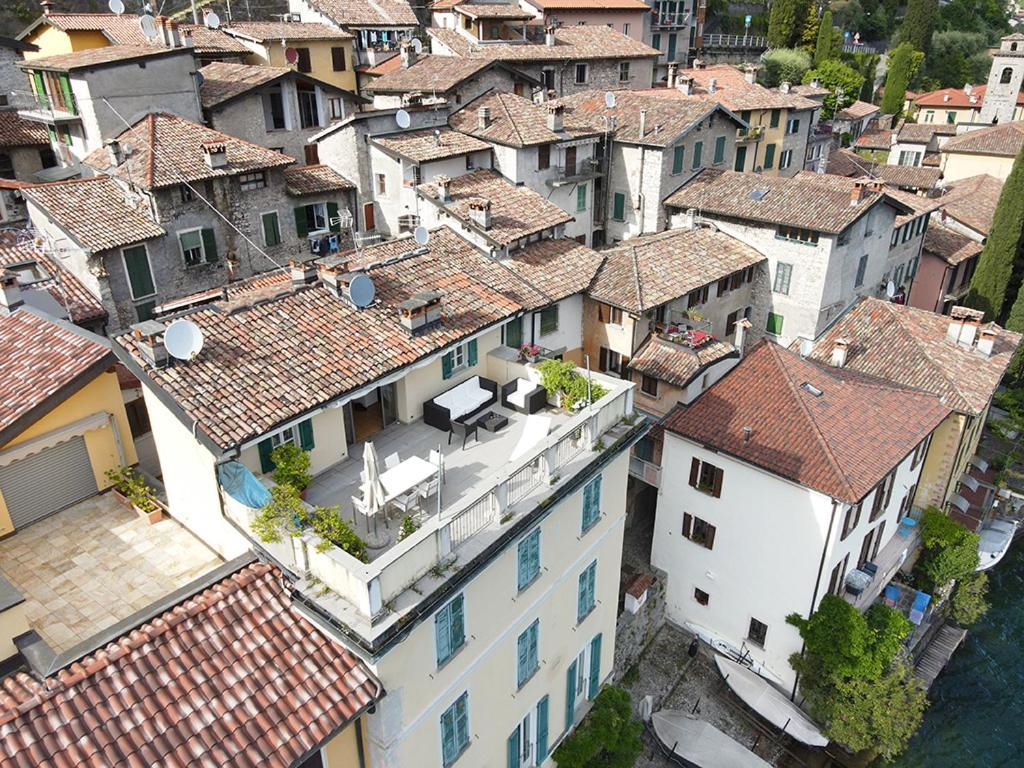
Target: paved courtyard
x=96 y=563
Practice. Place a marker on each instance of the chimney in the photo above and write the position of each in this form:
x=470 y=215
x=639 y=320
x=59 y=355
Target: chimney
x=969 y=332
x=747 y=432
x=968 y=88
x=215 y=153
x=150 y=337
x=302 y=272
x=549 y=36
x=47 y=6
x=859 y=192
x=986 y=341
x=673 y=70
x=186 y=39
x=964 y=323
x=712 y=84
x=10 y=292
x=483 y=118
x=785 y=86
x=116 y=152
x=742 y=326
x=643 y=123
x=698 y=63
x=421 y=312
x=480 y=213
x=684 y=84
x=839 y=349
x=750 y=73
x=689 y=220
x=555 y=117
x=444 y=191
x=815 y=83
x=945 y=97
x=407 y=53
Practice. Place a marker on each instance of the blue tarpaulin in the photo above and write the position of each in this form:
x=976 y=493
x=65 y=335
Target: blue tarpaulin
x=892 y=595
x=921 y=600
x=242 y=485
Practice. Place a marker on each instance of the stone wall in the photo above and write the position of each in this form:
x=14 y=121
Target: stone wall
x=12 y=79
x=633 y=632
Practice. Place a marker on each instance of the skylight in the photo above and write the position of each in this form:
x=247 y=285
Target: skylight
x=812 y=389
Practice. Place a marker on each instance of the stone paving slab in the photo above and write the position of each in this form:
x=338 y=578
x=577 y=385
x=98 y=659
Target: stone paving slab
x=96 y=563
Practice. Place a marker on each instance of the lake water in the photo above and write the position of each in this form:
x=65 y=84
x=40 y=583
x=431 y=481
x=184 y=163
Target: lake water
x=976 y=716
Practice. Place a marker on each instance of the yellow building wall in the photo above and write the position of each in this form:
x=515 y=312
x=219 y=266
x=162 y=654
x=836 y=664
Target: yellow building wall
x=961 y=166
x=597 y=334
x=12 y=624
x=101 y=395
x=938 y=463
x=329 y=446
x=52 y=41
x=320 y=60
x=762 y=118
x=343 y=750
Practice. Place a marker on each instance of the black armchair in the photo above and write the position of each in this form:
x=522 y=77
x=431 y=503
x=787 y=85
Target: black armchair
x=533 y=402
x=465 y=430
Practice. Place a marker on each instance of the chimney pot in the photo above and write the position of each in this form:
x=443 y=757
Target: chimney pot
x=643 y=123
x=549 y=36
x=750 y=73
x=555 y=117
x=407 y=53
x=480 y=213
x=742 y=326
x=673 y=71
x=839 y=350
x=698 y=63
x=785 y=86
x=443 y=183
x=986 y=341
x=47 y=6
x=215 y=153
x=116 y=152
x=10 y=292
x=684 y=84
x=815 y=83
x=483 y=118
x=859 y=191
x=302 y=272
x=150 y=337
x=963 y=325
x=712 y=84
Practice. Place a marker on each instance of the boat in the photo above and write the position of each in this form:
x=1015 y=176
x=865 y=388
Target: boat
x=727 y=649
x=770 y=703
x=700 y=744
x=996 y=537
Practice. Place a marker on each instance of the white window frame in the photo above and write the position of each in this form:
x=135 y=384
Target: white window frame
x=785 y=159
x=319 y=211
x=336 y=107
x=789 y=278
x=288 y=435
x=181 y=246
x=460 y=357
x=623 y=71
x=529 y=737
x=152 y=277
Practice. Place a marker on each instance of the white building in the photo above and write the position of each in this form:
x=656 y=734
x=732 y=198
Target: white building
x=768 y=500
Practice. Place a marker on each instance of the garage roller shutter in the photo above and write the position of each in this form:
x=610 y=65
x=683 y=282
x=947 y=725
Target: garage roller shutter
x=48 y=481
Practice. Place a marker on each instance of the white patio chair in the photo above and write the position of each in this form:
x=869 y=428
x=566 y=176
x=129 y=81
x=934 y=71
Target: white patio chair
x=392 y=460
x=429 y=488
x=407 y=502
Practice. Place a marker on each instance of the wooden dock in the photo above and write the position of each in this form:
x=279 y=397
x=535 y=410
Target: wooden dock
x=938 y=653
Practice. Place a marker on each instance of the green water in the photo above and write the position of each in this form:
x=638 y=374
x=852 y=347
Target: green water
x=976 y=716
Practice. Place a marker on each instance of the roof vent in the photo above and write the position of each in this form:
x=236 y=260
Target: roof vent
x=839 y=350
x=10 y=292
x=149 y=335
x=808 y=387
x=444 y=188
x=480 y=212
x=945 y=97
x=421 y=312
x=354 y=288
x=302 y=272
x=215 y=153
x=785 y=86
x=750 y=73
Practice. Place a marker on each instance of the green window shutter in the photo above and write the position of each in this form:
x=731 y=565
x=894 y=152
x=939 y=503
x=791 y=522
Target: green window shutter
x=271 y=229
x=210 y=246
x=523 y=657
x=446 y=366
x=720 y=149
x=542 y=730
x=332 y=214
x=774 y=323
x=265 y=448
x=458 y=633
x=448 y=748
x=769 y=156
x=301 y=225
x=619 y=207
x=69 y=97
x=471 y=353
x=581 y=197
x=595 y=666
x=514 y=333
x=306 y=435
x=591 y=503
x=524 y=563
x=40 y=86
x=140 y=278
x=52 y=134
x=776 y=113
x=678 y=156
x=461 y=722
x=583 y=595
x=570 y=695
x=698 y=150
x=513 y=749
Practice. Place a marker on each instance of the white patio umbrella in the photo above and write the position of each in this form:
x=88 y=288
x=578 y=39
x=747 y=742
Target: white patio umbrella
x=373 y=490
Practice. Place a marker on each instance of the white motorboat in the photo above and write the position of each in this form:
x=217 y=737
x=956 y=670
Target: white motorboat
x=996 y=537
x=730 y=651
x=700 y=744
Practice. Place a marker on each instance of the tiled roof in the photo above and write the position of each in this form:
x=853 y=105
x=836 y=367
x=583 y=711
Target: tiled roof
x=65 y=289
x=261 y=31
x=124 y=29
x=98 y=57
x=841 y=442
x=877 y=140
x=516 y=121
x=272 y=357
x=1003 y=140
x=16 y=132
x=845 y=162
x=909 y=346
x=212 y=41
x=492 y=11
x=647 y=271
x=429 y=144
x=314 y=179
x=952 y=247
x=574 y=43
x=923 y=133
x=917 y=177
x=367 y=13
x=809 y=91
x=956 y=98
x=676 y=364
x=94 y=212
x=516 y=211
x=178 y=155
x=225 y=80
x=821 y=204
x=972 y=201
x=429 y=74
x=857 y=111
x=734 y=92
x=40 y=357
x=591 y=5
x=234 y=675
x=667 y=117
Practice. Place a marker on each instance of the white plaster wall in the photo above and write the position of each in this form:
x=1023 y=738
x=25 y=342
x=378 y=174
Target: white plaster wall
x=570 y=326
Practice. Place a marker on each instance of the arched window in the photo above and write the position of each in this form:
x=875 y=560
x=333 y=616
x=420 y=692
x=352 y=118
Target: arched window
x=1007 y=74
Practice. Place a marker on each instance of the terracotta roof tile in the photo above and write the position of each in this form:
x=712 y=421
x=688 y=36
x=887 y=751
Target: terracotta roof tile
x=952 y=247
x=857 y=111
x=675 y=364
x=94 y=212
x=123 y=29
x=908 y=346
x=97 y=57
x=39 y=357
x=313 y=180
x=367 y=13
x=17 y=132
x=224 y=80
x=66 y=289
x=880 y=140
x=645 y=272
x=734 y=92
x=262 y=31
x=844 y=162
x=575 y=43
x=923 y=133
x=429 y=144
x=590 y=5
x=516 y=211
x=428 y=74
x=972 y=201
x=212 y=41
x=179 y=154
x=957 y=98
x=492 y=11
x=515 y=121
x=841 y=442
x=220 y=702
x=1003 y=140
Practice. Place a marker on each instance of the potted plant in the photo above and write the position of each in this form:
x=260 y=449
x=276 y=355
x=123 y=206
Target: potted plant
x=565 y=386
x=283 y=514
x=291 y=467
x=132 y=490
x=334 y=530
x=529 y=353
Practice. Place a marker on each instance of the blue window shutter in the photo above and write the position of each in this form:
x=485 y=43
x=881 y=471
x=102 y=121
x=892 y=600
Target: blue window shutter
x=448 y=749
x=522 y=657
x=265 y=448
x=524 y=562
x=570 y=695
x=592 y=584
x=442 y=630
x=534 y=632
x=542 y=730
x=461 y=722
x=535 y=552
x=306 y=435
x=471 y=352
x=581 y=597
x=446 y=366
x=513 y=749
x=595 y=666
x=458 y=626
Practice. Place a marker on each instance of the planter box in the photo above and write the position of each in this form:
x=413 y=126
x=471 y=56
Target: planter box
x=151 y=517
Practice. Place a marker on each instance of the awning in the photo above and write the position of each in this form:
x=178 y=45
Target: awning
x=50 y=439
x=969 y=481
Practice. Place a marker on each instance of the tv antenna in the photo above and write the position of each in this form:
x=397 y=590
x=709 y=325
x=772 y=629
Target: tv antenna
x=183 y=339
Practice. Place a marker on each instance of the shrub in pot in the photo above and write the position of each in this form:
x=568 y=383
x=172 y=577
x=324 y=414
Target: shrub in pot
x=291 y=466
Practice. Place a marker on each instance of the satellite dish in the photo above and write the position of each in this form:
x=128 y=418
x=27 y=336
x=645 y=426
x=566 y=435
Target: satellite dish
x=609 y=100
x=291 y=55
x=403 y=119
x=421 y=235
x=116 y=6
x=417 y=45
x=361 y=291
x=212 y=20
x=890 y=289
x=183 y=339
x=148 y=26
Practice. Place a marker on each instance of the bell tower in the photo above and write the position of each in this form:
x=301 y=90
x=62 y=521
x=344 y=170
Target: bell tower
x=1004 y=81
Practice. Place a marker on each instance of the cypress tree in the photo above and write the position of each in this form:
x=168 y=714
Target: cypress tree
x=918 y=23
x=782 y=23
x=903 y=64
x=809 y=23
x=823 y=50
x=999 y=266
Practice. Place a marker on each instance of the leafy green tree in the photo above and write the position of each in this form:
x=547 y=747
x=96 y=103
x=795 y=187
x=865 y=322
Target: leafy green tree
x=949 y=550
x=608 y=737
x=904 y=62
x=847 y=15
x=969 y=602
x=956 y=58
x=843 y=81
x=809 y=25
x=782 y=23
x=784 y=64
x=997 y=277
x=919 y=23
x=867 y=64
x=985 y=16
x=823 y=48
x=878 y=713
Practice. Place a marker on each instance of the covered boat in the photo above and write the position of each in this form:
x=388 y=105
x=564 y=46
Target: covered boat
x=996 y=537
x=700 y=744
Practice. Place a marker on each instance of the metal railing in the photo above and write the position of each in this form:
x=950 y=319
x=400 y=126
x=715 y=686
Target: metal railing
x=524 y=480
x=473 y=519
x=665 y=20
x=734 y=41
x=569 y=447
x=28 y=101
x=645 y=470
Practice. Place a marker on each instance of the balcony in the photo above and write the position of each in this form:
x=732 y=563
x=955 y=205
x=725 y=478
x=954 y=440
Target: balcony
x=898 y=552
x=486 y=487
x=670 y=20
x=753 y=133
x=574 y=173
x=647 y=471
x=43 y=109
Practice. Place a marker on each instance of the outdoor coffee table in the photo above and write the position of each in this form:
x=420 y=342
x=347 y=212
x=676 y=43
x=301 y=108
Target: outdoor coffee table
x=492 y=421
